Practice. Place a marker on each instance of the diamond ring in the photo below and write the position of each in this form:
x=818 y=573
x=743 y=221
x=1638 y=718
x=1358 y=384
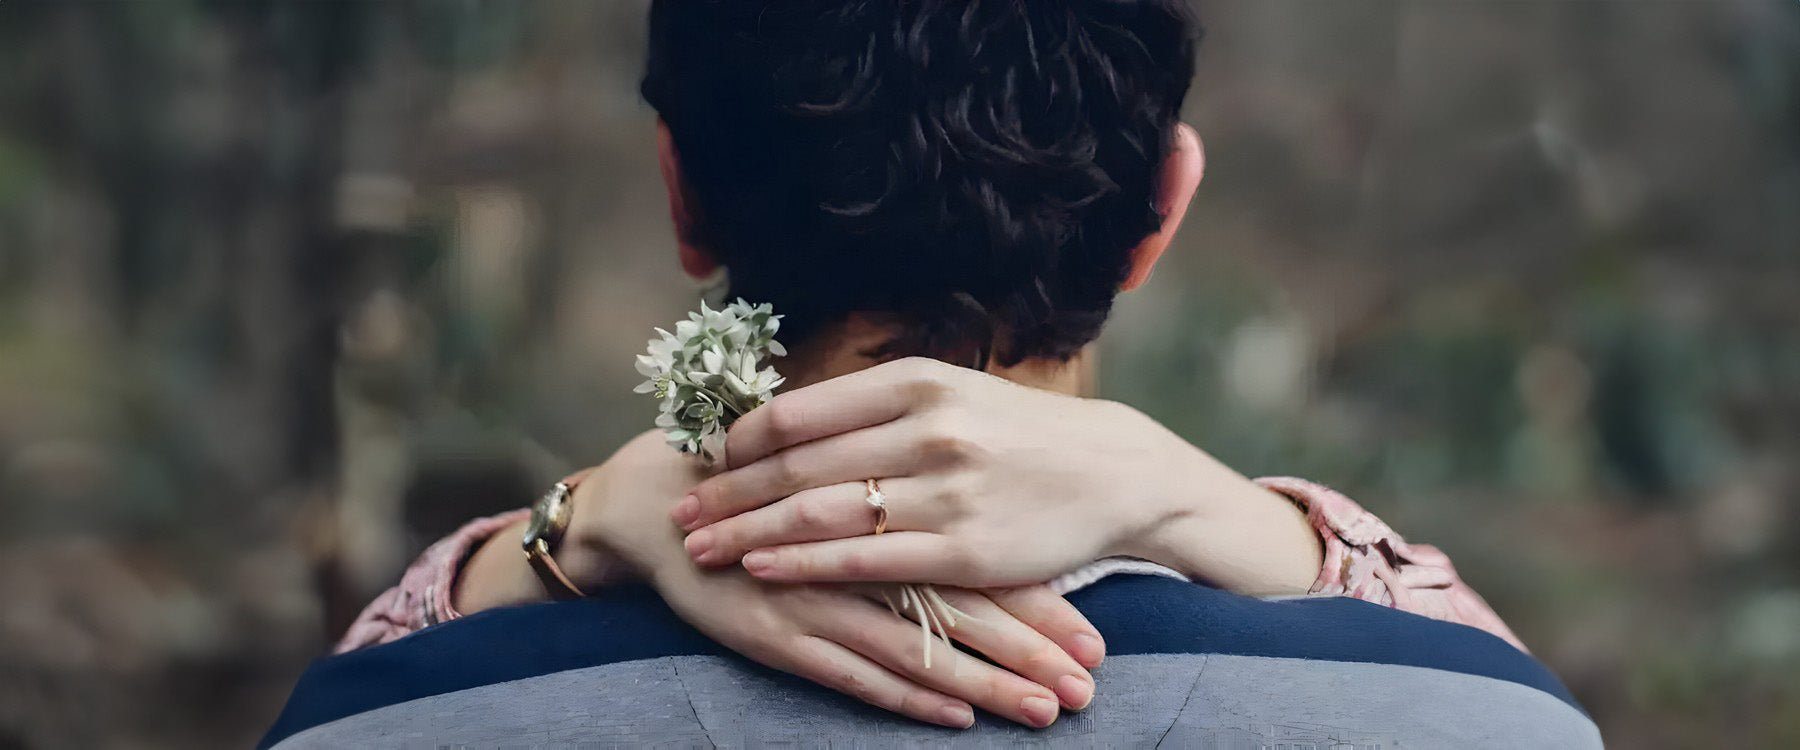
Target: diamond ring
x=878 y=500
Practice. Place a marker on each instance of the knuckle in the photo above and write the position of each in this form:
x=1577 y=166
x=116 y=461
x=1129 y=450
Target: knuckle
x=1043 y=659
x=989 y=689
x=949 y=445
x=927 y=380
x=725 y=535
x=957 y=491
x=978 y=555
x=953 y=515
x=849 y=682
x=712 y=493
x=857 y=565
x=799 y=562
x=782 y=421
x=786 y=470
x=811 y=515
x=918 y=703
x=912 y=651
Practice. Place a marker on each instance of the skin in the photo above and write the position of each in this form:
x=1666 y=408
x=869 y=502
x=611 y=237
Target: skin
x=839 y=636
x=978 y=472
x=981 y=468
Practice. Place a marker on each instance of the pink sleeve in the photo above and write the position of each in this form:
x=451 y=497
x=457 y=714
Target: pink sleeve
x=1364 y=559
x=423 y=596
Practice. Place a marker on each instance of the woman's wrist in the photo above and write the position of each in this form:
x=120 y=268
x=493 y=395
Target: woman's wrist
x=497 y=573
x=1164 y=490
x=623 y=535
x=1215 y=525
x=590 y=556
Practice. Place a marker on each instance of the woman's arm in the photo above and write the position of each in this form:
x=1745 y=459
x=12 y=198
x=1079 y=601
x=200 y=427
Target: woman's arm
x=990 y=483
x=1231 y=533
x=497 y=574
x=481 y=566
x=828 y=634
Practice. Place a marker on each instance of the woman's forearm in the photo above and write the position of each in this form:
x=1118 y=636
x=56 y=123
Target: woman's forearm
x=496 y=575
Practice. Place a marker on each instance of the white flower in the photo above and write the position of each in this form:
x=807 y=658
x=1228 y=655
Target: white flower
x=706 y=374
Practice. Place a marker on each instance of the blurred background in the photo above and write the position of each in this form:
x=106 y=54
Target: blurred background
x=289 y=289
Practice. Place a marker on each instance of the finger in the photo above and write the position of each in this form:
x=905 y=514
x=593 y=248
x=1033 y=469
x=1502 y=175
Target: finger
x=1020 y=648
x=1047 y=612
x=900 y=646
x=860 y=399
x=853 y=456
x=853 y=674
x=894 y=557
x=1041 y=609
x=835 y=512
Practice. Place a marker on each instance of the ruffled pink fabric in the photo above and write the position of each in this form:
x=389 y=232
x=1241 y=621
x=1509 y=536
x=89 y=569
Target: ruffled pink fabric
x=1364 y=559
x=424 y=594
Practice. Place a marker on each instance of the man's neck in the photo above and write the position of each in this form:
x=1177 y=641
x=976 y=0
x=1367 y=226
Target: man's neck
x=840 y=349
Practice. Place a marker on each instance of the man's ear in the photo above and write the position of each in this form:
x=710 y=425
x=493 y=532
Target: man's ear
x=696 y=262
x=1180 y=177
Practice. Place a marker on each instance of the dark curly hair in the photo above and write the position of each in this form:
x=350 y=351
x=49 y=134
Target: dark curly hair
x=978 y=169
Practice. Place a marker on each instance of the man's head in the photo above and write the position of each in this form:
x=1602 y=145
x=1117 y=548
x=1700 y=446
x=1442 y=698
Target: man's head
x=987 y=174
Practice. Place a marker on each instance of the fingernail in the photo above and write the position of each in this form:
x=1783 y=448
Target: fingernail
x=698 y=544
x=759 y=562
x=1093 y=650
x=686 y=512
x=1040 y=710
x=1076 y=693
x=961 y=717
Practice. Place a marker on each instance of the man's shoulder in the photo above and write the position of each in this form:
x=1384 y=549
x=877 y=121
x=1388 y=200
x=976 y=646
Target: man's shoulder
x=1311 y=669
x=1148 y=614
x=1185 y=661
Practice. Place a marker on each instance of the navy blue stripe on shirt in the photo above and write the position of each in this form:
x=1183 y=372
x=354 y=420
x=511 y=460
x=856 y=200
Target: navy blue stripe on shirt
x=1136 y=614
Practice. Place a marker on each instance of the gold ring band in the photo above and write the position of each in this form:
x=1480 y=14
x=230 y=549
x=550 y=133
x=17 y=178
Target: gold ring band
x=878 y=500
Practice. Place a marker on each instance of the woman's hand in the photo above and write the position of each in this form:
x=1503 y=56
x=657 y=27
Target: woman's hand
x=849 y=643
x=988 y=483
x=837 y=636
